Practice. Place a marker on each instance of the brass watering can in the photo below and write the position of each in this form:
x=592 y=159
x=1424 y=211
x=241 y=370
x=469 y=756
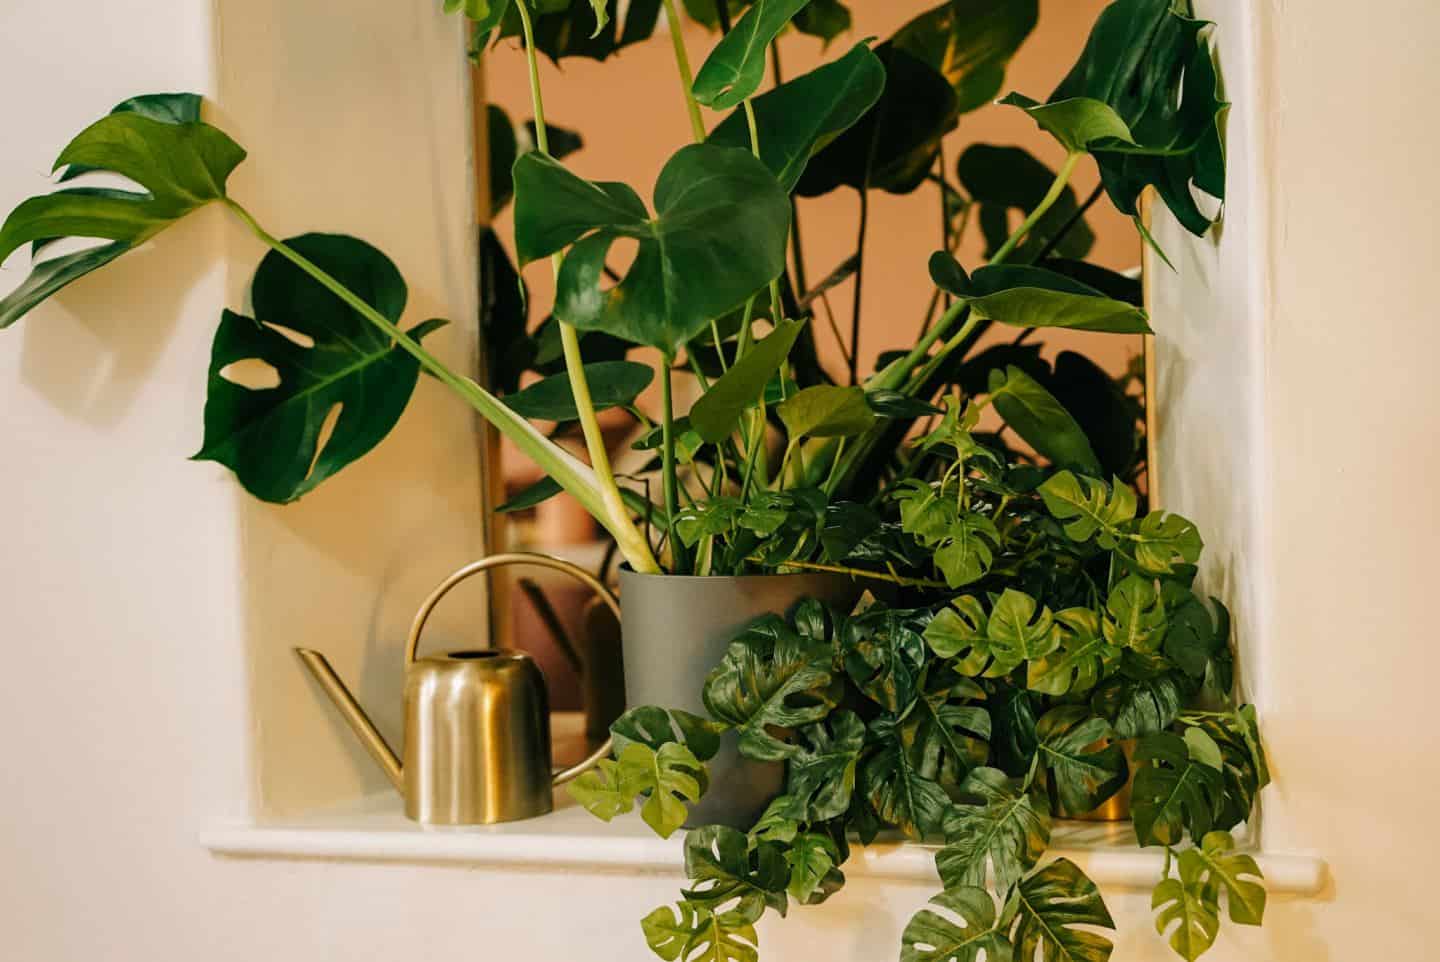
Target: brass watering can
x=477 y=722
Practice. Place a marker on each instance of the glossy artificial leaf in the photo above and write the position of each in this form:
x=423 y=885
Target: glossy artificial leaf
x=723 y=937
x=770 y=676
x=970 y=43
x=946 y=730
x=805 y=113
x=934 y=937
x=781 y=820
x=884 y=654
x=826 y=411
x=1020 y=630
x=960 y=632
x=1139 y=706
x=1045 y=908
x=1040 y=420
x=181 y=164
x=736 y=67
x=668 y=930
x=270 y=436
x=612 y=384
x=1000 y=828
x=717 y=237
x=1235 y=873
x=1083 y=776
x=1082 y=661
x=716 y=415
x=1242 y=776
x=1024 y=296
x=967 y=552
x=821 y=775
x=1134 y=616
x=707 y=519
x=1190 y=905
x=1162 y=540
x=1173 y=793
x=894 y=787
x=1193 y=637
x=536 y=494
x=1013 y=718
x=656 y=727
x=849 y=532
x=811 y=857
x=1143 y=98
x=723 y=868
x=1087 y=507
x=670 y=778
x=1005 y=179
x=894 y=145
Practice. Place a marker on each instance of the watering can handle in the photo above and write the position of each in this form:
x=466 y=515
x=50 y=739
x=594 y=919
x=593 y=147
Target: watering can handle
x=500 y=561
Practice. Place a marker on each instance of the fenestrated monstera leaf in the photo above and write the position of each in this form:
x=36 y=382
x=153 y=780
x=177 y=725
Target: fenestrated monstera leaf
x=1083 y=659
x=269 y=435
x=1191 y=905
x=884 y=652
x=692 y=932
x=970 y=43
x=1163 y=540
x=1024 y=296
x=723 y=867
x=1041 y=420
x=1235 y=873
x=1139 y=706
x=803 y=114
x=821 y=776
x=812 y=858
x=1173 y=792
x=1045 y=907
x=1005 y=179
x=1088 y=507
x=669 y=779
x=947 y=731
x=895 y=788
x=1004 y=828
x=1083 y=776
x=656 y=727
x=156 y=141
x=932 y=937
x=717 y=237
x=1016 y=630
x=1135 y=616
x=1143 y=99
x=770 y=676
x=736 y=67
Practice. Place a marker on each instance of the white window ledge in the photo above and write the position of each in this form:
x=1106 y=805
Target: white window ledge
x=376 y=830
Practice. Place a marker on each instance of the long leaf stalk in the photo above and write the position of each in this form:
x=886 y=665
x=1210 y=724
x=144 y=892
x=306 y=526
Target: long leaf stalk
x=679 y=554
x=1057 y=189
x=687 y=77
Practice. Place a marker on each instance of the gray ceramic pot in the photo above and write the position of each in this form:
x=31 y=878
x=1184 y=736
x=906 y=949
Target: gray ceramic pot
x=676 y=629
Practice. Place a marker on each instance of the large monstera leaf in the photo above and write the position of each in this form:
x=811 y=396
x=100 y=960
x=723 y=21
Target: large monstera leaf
x=1082 y=775
x=158 y=142
x=933 y=937
x=801 y=115
x=1175 y=791
x=270 y=436
x=948 y=733
x=1044 y=910
x=1004 y=828
x=894 y=787
x=1143 y=99
x=725 y=869
x=1083 y=659
x=770 y=677
x=718 y=235
x=970 y=43
x=692 y=932
x=821 y=776
x=884 y=654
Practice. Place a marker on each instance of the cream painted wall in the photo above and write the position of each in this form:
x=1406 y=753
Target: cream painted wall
x=139 y=590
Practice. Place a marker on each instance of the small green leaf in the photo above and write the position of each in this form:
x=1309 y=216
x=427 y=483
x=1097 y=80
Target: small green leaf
x=1135 y=616
x=670 y=778
x=1079 y=123
x=668 y=930
x=826 y=411
x=717 y=413
x=1161 y=541
x=800 y=116
x=538 y=493
x=1083 y=659
x=1203 y=749
x=1045 y=908
x=1005 y=829
x=612 y=384
x=1041 y=420
x=1083 y=776
x=949 y=275
x=1020 y=630
x=736 y=67
x=1234 y=872
x=1172 y=793
x=1191 y=903
x=657 y=727
x=932 y=937
x=1037 y=297
x=961 y=632
x=1088 y=507
x=811 y=858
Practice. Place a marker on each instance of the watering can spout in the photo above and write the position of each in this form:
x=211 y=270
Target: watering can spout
x=354 y=715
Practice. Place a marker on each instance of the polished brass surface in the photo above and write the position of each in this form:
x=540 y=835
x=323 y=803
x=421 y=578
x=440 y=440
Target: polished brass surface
x=477 y=723
x=1116 y=808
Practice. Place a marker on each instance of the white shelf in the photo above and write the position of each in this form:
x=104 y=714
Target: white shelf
x=376 y=830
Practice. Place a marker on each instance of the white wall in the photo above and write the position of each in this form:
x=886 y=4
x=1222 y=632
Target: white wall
x=139 y=589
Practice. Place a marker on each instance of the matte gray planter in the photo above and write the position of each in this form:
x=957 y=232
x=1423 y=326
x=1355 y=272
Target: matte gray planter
x=676 y=629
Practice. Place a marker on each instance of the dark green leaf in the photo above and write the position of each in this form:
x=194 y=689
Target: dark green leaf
x=717 y=413
x=884 y=652
x=1035 y=297
x=1005 y=179
x=1046 y=907
x=612 y=384
x=949 y=276
x=565 y=29
x=946 y=731
x=1112 y=421
x=1138 y=707
x=538 y=493
x=1004 y=828
x=269 y=436
x=893 y=404
x=812 y=858
x=1083 y=774
x=1173 y=792
x=932 y=937
x=826 y=19
x=770 y=676
x=722 y=867
x=717 y=237
x=656 y=727
x=970 y=42
x=900 y=795
x=821 y=776
x=1040 y=419
x=504 y=317
x=1192 y=638
x=736 y=67
x=801 y=115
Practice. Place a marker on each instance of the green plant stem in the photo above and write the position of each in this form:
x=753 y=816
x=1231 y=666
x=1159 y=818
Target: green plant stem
x=687 y=77
x=570 y=340
x=679 y=555
x=891 y=577
x=568 y=471
x=1041 y=209
x=775 y=309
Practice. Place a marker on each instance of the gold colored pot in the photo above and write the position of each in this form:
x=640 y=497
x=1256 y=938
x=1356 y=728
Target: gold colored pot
x=1116 y=808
